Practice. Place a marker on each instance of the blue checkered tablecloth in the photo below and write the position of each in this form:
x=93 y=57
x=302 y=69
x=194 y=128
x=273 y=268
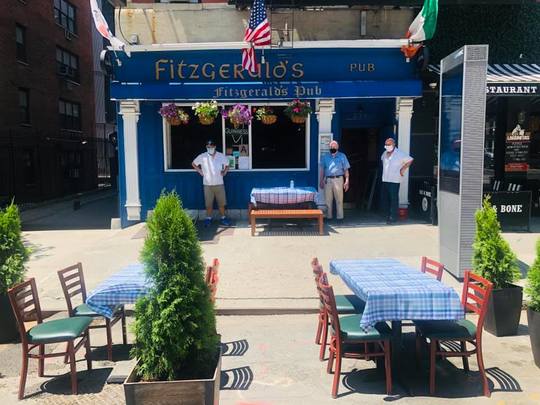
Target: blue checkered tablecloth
x=123 y=287
x=394 y=292
x=283 y=195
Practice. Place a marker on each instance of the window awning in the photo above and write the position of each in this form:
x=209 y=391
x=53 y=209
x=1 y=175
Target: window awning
x=525 y=73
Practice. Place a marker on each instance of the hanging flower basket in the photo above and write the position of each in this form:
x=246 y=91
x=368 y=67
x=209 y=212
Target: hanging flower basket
x=206 y=112
x=205 y=120
x=298 y=111
x=174 y=115
x=265 y=115
x=238 y=115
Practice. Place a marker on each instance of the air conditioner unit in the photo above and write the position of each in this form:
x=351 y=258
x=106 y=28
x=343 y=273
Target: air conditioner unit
x=68 y=34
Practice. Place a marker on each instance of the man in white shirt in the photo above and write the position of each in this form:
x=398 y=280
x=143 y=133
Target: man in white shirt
x=212 y=166
x=395 y=163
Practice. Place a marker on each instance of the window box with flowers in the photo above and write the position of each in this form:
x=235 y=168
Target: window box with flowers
x=298 y=111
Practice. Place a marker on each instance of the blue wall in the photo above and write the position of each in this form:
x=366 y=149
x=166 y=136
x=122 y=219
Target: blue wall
x=238 y=185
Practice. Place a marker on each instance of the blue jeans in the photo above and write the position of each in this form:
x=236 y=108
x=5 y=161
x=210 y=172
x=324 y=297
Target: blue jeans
x=390 y=195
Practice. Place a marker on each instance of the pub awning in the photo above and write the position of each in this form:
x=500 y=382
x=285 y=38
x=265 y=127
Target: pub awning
x=507 y=73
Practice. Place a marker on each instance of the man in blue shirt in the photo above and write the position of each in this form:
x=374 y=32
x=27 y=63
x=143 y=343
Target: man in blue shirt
x=334 y=179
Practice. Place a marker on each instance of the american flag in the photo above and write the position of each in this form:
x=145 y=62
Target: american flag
x=257 y=34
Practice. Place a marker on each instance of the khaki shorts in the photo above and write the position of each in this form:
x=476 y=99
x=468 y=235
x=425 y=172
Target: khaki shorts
x=217 y=192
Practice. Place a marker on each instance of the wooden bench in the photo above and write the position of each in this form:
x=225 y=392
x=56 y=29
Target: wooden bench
x=277 y=213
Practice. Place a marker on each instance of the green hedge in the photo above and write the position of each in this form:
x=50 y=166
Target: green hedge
x=509 y=30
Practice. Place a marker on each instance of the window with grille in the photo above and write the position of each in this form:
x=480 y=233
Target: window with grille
x=24 y=106
x=20 y=38
x=70 y=115
x=67 y=64
x=64 y=15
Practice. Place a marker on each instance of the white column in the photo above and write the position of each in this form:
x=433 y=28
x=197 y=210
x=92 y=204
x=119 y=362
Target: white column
x=404 y=112
x=325 y=112
x=129 y=110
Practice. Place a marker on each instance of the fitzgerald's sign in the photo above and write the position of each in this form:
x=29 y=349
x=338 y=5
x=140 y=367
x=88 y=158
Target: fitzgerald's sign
x=286 y=73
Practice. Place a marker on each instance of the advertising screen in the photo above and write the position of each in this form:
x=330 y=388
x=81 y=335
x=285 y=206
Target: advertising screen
x=451 y=104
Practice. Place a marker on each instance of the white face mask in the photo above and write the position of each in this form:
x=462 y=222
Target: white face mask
x=389 y=148
x=211 y=151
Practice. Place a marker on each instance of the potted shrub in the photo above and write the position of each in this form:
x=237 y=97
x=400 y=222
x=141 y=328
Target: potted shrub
x=265 y=115
x=176 y=344
x=238 y=115
x=494 y=260
x=206 y=111
x=13 y=255
x=533 y=308
x=298 y=111
x=174 y=114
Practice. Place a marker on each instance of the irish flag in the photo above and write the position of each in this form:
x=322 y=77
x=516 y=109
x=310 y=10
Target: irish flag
x=423 y=26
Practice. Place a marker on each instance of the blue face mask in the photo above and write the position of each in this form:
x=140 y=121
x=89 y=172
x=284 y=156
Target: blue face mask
x=211 y=151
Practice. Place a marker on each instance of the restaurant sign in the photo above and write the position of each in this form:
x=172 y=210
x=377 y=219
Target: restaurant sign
x=516 y=89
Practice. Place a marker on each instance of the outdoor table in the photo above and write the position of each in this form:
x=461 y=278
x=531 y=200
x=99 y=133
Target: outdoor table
x=124 y=287
x=395 y=292
x=283 y=195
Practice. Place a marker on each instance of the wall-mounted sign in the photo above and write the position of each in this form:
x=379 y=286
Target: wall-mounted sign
x=517 y=150
x=513 y=209
x=508 y=89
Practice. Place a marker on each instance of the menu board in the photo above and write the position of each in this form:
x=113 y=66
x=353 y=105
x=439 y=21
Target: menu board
x=517 y=151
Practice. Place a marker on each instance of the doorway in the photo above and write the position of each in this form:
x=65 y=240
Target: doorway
x=360 y=146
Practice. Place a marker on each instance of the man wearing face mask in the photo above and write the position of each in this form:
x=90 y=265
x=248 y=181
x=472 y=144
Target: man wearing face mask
x=212 y=166
x=395 y=163
x=334 y=179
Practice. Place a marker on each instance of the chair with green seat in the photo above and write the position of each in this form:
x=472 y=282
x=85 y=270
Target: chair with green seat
x=72 y=281
x=345 y=304
x=25 y=303
x=476 y=292
x=346 y=334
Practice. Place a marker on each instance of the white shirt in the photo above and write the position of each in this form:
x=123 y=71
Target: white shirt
x=392 y=165
x=211 y=166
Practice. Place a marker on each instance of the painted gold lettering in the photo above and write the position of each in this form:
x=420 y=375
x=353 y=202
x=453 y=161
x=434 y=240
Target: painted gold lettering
x=298 y=70
x=238 y=71
x=171 y=69
x=208 y=74
x=371 y=67
x=267 y=69
x=353 y=67
x=158 y=67
x=194 y=67
x=224 y=71
x=280 y=70
x=180 y=69
x=256 y=75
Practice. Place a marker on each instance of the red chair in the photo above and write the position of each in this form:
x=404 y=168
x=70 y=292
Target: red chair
x=432 y=267
x=212 y=278
x=345 y=304
x=346 y=334
x=25 y=303
x=476 y=292
x=72 y=282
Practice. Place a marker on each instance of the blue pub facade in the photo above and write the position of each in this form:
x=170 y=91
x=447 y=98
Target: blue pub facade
x=354 y=87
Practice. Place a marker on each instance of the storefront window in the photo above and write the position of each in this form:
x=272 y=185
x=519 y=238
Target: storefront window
x=281 y=145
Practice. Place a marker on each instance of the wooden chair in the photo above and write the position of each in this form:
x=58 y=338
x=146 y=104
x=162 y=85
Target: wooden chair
x=212 y=278
x=72 y=281
x=432 y=267
x=25 y=303
x=345 y=304
x=476 y=292
x=347 y=333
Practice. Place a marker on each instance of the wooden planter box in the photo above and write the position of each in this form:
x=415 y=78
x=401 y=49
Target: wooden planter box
x=185 y=392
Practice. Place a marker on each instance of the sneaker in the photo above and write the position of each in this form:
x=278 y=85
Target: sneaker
x=207 y=222
x=225 y=221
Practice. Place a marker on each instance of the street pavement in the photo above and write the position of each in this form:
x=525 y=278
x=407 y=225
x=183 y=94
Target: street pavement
x=265 y=274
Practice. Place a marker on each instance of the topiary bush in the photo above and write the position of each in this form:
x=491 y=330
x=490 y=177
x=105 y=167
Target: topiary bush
x=533 y=281
x=492 y=257
x=175 y=324
x=13 y=253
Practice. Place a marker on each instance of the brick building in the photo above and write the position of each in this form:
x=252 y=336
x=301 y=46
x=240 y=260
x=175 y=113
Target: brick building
x=47 y=119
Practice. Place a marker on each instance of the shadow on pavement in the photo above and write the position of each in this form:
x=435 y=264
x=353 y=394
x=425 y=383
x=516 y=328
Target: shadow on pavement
x=239 y=378
x=236 y=348
x=120 y=352
x=89 y=382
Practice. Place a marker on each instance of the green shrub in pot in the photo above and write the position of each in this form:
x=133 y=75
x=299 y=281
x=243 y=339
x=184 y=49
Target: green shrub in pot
x=175 y=324
x=494 y=260
x=533 y=310
x=13 y=255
